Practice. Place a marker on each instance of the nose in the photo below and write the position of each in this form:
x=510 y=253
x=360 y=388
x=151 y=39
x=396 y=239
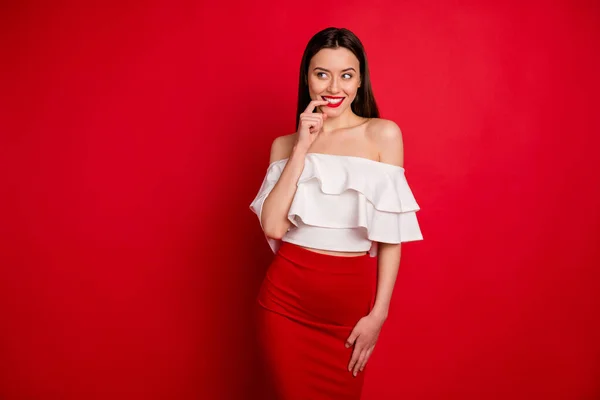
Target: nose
x=333 y=86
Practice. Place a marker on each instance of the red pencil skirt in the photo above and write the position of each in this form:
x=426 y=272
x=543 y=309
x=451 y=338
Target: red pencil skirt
x=307 y=306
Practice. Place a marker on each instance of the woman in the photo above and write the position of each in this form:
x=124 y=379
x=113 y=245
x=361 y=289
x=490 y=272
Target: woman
x=334 y=197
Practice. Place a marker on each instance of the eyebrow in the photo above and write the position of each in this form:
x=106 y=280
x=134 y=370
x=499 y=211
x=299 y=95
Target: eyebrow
x=326 y=70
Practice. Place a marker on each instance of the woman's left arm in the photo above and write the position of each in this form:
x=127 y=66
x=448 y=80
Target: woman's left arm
x=366 y=332
x=388 y=263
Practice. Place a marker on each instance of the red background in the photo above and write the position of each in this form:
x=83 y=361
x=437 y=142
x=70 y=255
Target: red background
x=135 y=135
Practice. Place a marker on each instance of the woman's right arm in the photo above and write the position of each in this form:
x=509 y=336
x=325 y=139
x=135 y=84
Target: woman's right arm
x=277 y=204
x=275 y=208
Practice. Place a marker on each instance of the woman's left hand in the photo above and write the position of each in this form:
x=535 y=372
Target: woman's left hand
x=363 y=336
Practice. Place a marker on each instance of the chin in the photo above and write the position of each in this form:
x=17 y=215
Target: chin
x=333 y=112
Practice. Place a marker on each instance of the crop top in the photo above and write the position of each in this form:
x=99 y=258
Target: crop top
x=345 y=203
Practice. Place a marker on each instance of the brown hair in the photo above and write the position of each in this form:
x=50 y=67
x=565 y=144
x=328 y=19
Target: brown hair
x=364 y=104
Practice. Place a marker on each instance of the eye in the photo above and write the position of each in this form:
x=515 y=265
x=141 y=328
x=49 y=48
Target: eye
x=349 y=76
x=319 y=73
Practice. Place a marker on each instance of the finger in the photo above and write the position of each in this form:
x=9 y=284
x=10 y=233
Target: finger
x=360 y=361
x=313 y=104
x=314 y=114
x=310 y=119
x=364 y=363
x=319 y=114
x=313 y=118
x=313 y=126
x=319 y=125
x=309 y=116
x=351 y=339
x=354 y=359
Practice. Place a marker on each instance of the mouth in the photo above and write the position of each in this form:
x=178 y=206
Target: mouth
x=334 y=101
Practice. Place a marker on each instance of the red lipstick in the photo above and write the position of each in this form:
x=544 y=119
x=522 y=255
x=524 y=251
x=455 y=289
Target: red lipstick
x=335 y=103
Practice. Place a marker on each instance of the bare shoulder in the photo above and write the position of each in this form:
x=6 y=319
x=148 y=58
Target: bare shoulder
x=387 y=136
x=282 y=147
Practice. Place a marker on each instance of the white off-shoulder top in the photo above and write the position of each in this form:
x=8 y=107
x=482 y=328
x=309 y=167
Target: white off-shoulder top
x=345 y=203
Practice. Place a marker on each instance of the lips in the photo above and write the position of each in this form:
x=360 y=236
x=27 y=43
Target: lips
x=334 y=101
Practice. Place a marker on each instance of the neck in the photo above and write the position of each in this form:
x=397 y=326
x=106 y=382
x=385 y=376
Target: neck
x=346 y=120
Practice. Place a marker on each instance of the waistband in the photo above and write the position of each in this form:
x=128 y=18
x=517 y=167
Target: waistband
x=308 y=258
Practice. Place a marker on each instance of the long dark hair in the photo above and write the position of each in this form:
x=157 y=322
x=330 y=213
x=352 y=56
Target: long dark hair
x=332 y=38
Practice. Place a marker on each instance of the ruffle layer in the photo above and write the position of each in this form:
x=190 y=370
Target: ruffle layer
x=348 y=192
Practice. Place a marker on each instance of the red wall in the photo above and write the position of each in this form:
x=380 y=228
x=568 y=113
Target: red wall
x=135 y=136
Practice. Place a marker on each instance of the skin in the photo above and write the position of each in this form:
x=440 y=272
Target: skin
x=335 y=72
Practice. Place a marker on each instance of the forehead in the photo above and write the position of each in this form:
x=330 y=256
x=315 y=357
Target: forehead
x=334 y=59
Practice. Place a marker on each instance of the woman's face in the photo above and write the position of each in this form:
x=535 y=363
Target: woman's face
x=333 y=75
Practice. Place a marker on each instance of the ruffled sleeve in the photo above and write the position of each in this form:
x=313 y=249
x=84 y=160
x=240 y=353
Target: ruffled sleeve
x=272 y=176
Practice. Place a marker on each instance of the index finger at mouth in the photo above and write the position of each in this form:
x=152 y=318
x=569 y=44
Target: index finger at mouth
x=313 y=104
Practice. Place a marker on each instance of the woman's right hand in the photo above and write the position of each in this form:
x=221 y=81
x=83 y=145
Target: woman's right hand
x=310 y=124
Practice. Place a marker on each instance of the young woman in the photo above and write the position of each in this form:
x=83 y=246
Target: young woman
x=335 y=207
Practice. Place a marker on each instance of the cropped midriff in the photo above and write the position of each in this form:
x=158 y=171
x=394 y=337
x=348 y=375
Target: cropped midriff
x=335 y=253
